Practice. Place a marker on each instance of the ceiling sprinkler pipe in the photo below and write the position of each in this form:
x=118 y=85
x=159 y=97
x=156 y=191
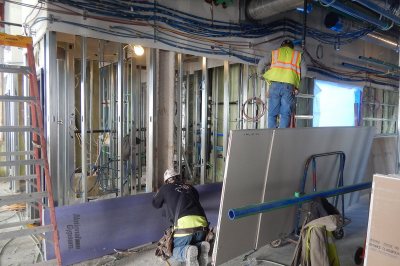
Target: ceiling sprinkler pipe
x=381 y=11
x=356 y=14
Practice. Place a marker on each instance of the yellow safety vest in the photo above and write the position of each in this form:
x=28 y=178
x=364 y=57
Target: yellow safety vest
x=285 y=66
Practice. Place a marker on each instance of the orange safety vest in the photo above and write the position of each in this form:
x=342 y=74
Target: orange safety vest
x=285 y=66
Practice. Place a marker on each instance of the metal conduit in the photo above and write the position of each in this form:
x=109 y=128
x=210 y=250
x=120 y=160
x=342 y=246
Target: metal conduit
x=380 y=10
x=261 y=9
x=356 y=14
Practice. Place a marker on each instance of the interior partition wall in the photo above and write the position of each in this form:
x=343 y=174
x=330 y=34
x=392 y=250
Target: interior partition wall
x=104 y=115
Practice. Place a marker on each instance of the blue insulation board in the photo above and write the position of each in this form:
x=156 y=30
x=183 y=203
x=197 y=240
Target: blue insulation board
x=94 y=229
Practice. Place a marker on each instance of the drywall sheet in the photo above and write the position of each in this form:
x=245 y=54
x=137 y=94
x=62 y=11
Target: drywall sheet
x=382 y=158
x=244 y=182
x=383 y=241
x=94 y=229
x=290 y=150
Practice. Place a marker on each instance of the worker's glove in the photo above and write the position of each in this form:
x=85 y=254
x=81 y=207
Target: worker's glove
x=295 y=91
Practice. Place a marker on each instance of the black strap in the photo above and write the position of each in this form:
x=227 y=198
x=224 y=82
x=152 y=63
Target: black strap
x=190 y=230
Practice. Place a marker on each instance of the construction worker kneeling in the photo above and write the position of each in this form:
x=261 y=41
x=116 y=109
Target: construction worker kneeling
x=189 y=222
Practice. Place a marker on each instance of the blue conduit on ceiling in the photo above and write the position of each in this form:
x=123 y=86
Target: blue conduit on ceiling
x=356 y=14
x=379 y=10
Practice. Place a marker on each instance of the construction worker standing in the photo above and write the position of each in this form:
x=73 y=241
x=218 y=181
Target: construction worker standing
x=287 y=68
x=183 y=210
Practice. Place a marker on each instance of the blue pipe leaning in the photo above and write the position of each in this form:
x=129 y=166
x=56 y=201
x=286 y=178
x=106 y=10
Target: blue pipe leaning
x=379 y=10
x=278 y=204
x=356 y=14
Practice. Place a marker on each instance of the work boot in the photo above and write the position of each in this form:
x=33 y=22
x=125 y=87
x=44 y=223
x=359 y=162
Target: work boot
x=204 y=250
x=191 y=256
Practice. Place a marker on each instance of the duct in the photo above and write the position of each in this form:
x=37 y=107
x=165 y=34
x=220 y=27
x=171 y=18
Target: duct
x=261 y=9
x=381 y=11
x=356 y=14
x=338 y=23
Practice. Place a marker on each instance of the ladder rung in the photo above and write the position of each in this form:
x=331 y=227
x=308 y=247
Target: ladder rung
x=17 y=198
x=14 y=69
x=10 y=225
x=21 y=162
x=8 y=98
x=16 y=153
x=17 y=129
x=15 y=178
x=26 y=232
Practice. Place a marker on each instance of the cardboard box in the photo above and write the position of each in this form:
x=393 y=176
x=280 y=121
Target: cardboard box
x=383 y=237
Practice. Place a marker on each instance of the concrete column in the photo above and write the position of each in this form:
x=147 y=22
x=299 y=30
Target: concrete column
x=165 y=115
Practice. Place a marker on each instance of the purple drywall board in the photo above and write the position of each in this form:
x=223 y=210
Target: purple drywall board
x=94 y=229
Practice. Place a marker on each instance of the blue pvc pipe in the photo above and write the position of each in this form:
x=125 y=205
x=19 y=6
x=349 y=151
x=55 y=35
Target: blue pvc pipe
x=379 y=10
x=273 y=205
x=356 y=14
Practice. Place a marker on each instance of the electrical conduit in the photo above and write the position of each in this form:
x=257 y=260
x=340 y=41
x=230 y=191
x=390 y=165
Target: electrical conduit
x=356 y=14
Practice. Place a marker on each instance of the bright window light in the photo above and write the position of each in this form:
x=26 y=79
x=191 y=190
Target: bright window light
x=138 y=49
x=334 y=104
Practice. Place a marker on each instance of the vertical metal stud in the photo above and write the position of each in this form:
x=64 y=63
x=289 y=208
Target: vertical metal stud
x=187 y=91
x=204 y=120
x=69 y=121
x=179 y=114
x=83 y=118
x=90 y=117
x=262 y=122
x=215 y=124
x=226 y=106
x=61 y=85
x=245 y=83
x=151 y=62
x=398 y=127
x=196 y=93
x=120 y=119
x=51 y=107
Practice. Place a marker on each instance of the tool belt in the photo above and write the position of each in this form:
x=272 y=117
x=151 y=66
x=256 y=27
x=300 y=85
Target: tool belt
x=190 y=230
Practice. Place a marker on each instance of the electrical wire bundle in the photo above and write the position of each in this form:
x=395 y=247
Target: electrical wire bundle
x=174 y=28
x=352 y=76
x=207 y=36
x=255 y=117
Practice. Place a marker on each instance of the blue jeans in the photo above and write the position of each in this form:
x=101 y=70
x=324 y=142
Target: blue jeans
x=281 y=102
x=182 y=242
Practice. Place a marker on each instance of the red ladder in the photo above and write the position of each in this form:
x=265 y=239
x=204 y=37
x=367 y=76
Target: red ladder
x=39 y=149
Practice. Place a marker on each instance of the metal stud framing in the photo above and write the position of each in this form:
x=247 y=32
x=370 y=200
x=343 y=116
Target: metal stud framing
x=151 y=62
x=204 y=120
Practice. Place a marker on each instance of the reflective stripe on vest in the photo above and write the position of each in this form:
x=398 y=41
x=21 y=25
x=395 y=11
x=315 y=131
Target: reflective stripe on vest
x=285 y=66
x=292 y=65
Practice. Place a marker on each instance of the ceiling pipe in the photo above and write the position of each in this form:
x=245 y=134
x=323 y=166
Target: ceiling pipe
x=356 y=14
x=381 y=39
x=379 y=62
x=381 y=11
x=261 y=9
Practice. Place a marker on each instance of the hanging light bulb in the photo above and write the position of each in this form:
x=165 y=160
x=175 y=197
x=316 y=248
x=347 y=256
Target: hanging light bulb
x=138 y=49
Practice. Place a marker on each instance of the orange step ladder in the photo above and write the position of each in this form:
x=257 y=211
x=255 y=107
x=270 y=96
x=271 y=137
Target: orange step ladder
x=42 y=197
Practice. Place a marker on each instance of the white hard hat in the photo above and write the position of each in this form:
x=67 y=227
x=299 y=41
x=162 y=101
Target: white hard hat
x=170 y=173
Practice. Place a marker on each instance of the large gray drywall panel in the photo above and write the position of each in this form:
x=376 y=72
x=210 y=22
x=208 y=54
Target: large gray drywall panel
x=244 y=182
x=290 y=150
x=383 y=157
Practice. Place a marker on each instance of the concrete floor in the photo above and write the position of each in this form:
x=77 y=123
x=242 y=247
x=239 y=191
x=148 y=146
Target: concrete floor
x=25 y=251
